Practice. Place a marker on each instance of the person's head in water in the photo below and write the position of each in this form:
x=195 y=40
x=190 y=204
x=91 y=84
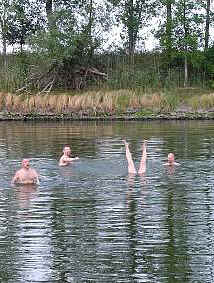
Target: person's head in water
x=26 y=163
x=65 y=159
x=67 y=150
x=171 y=158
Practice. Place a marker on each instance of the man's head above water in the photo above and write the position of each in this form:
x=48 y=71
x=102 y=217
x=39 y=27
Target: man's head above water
x=67 y=150
x=26 y=163
x=171 y=157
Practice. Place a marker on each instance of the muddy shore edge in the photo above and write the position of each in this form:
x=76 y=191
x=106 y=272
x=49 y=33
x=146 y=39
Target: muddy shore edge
x=137 y=116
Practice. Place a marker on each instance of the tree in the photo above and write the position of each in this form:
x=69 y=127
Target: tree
x=207 y=27
x=188 y=31
x=73 y=28
x=165 y=32
x=133 y=16
x=67 y=43
x=5 y=6
x=169 y=42
x=181 y=33
x=22 y=21
x=49 y=13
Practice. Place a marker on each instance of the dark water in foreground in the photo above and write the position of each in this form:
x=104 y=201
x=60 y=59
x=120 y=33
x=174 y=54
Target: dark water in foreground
x=91 y=222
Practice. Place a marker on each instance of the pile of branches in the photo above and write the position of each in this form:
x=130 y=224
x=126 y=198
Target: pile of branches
x=64 y=76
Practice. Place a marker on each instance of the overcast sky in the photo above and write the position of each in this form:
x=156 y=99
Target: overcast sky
x=113 y=37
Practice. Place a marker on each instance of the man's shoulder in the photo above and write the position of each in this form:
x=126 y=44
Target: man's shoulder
x=19 y=171
x=174 y=164
x=63 y=157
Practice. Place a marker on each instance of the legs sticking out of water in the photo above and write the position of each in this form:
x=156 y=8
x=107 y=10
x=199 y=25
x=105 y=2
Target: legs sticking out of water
x=142 y=168
x=131 y=167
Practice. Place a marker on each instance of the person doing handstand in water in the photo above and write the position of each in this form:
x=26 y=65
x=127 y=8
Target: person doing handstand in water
x=131 y=167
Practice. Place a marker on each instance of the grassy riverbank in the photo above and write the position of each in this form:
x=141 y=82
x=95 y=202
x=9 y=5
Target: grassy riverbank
x=180 y=103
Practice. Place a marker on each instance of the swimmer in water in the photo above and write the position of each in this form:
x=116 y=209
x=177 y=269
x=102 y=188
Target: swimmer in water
x=131 y=167
x=171 y=160
x=65 y=158
x=26 y=175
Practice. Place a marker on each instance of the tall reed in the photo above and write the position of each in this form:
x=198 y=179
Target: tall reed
x=203 y=102
x=108 y=102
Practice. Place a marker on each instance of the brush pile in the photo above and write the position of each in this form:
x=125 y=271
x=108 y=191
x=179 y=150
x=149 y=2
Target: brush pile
x=61 y=76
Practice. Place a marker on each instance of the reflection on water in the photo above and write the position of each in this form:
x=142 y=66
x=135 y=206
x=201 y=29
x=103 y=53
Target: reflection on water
x=24 y=194
x=91 y=221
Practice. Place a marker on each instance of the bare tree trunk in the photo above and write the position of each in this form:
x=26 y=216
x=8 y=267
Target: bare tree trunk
x=49 y=13
x=169 y=30
x=185 y=47
x=4 y=42
x=49 y=7
x=21 y=48
x=89 y=27
x=134 y=14
x=90 y=18
x=185 y=71
x=207 y=28
x=131 y=43
x=4 y=45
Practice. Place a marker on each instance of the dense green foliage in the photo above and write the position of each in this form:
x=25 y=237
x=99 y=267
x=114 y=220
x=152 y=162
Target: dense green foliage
x=59 y=38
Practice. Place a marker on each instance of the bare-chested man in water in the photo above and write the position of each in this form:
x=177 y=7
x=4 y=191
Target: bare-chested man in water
x=65 y=158
x=26 y=175
x=171 y=160
x=131 y=167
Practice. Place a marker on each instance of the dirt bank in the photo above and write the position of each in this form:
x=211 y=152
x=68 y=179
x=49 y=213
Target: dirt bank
x=126 y=116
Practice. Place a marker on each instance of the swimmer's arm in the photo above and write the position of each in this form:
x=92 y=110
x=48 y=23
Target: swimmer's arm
x=34 y=181
x=75 y=158
x=26 y=182
x=175 y=164
x=36 y=178
x=14 y=180
x=66 y=160
x=72 y=158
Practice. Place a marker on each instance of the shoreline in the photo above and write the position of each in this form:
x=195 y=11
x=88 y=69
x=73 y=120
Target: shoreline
x=120 y=105
x=126 y=116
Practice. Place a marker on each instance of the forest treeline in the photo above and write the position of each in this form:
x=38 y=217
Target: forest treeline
x=66 y=45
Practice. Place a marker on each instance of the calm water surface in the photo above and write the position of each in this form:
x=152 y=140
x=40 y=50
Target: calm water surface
x=91 y=221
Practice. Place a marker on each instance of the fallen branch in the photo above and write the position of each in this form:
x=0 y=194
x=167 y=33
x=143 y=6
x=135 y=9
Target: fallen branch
x=62 y=76
x=48 y=86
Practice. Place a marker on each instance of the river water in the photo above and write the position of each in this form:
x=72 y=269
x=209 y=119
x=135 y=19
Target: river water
x=91 y=221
